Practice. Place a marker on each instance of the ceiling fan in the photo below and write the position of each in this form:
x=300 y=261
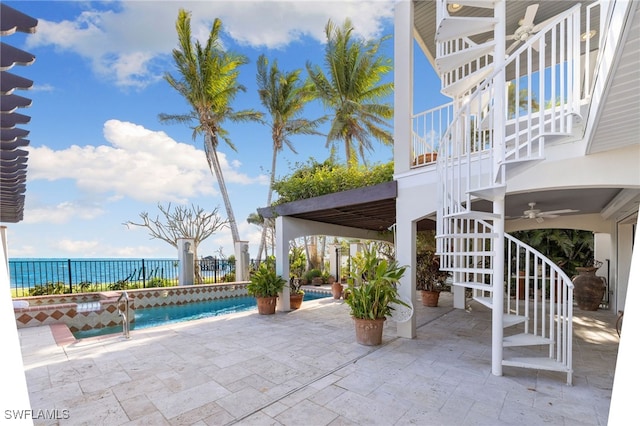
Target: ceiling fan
x=526 y=28
x=540 y=216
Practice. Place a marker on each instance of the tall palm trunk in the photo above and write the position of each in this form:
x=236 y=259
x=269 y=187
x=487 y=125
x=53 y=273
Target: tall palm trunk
x=214 y=164
x=272 y=179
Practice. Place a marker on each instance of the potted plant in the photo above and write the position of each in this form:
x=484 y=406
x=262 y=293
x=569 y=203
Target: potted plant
x=430 y=280
x=371 y=292
x=314 y=276
x=265 y=285
x=297 y=294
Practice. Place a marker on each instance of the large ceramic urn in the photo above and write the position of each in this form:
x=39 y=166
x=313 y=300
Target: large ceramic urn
x=588 y=288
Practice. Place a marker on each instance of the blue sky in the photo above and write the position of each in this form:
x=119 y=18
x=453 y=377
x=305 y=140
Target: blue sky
x=99 y=155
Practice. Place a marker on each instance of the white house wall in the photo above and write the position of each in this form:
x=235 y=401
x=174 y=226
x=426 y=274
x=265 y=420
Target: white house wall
x=560 y=170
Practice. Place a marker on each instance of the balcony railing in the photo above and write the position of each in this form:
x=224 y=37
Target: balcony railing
x=427 y=130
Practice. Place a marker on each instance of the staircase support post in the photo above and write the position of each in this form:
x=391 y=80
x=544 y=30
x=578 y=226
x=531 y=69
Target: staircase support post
x=497 y=326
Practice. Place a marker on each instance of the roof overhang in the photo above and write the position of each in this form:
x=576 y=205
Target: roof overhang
x=372 y=208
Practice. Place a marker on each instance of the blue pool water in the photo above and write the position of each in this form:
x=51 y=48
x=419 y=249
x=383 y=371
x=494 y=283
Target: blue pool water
x=163 y=315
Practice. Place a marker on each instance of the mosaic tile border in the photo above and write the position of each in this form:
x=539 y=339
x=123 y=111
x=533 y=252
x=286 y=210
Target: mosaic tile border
x=65 y=309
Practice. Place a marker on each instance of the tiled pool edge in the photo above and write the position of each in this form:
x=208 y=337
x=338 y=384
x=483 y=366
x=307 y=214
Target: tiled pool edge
x=63 y=309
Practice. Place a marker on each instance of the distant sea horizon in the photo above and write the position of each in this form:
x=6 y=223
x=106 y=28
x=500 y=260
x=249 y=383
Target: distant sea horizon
x=28 y=272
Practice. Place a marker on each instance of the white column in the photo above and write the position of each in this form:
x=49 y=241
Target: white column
x=498 y=203
x=241 y=249
x=185 y=261
x=497 y=327
x=14 y=394
x=282 y=262
x=403 y=84
x=406 y=255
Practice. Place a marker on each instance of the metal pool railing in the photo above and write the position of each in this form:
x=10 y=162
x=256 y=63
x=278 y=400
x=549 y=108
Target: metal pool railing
x=37 y=277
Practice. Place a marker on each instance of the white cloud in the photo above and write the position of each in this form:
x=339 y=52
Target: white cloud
x=78 y=247
x=124 y=45
x=61 y=213
x=140 y=164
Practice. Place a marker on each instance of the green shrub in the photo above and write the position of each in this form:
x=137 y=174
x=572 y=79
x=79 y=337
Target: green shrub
x=372 y=288
x=314 y=179
x=265 y=282
x=49 y=288
x=159 y=282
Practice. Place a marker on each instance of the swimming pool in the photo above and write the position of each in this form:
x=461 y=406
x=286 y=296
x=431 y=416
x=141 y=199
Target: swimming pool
x=163 y=315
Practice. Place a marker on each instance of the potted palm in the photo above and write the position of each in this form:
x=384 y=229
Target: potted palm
x=265 y=285
x=430 y=280
x=371 y=293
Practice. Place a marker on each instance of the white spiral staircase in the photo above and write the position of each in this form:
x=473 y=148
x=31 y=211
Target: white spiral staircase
x=495 y=130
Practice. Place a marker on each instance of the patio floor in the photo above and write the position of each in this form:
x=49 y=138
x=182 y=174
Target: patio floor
x=304 y=368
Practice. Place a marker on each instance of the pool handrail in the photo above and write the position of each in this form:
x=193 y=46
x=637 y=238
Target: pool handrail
x=124 y=314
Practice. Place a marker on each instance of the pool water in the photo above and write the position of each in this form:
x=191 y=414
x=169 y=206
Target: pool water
x=163 y=315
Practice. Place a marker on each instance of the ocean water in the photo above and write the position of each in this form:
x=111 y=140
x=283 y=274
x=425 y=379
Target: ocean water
x=29 y=272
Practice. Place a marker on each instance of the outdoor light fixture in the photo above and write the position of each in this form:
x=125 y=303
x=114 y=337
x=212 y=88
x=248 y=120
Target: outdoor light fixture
x=587 y=36
x=453 y=7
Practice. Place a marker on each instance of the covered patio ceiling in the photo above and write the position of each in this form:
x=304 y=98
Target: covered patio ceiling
x=374 y=208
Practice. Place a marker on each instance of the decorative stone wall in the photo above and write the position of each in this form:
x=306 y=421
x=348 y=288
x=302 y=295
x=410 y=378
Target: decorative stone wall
x=86 y=311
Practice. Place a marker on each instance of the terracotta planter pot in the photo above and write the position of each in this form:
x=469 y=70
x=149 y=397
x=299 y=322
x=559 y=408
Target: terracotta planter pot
x=589 y=289
x=369 y=331
x=295 y=300
x=316 y=281
x=336 y=290
x=266 y=305
x=430 y=298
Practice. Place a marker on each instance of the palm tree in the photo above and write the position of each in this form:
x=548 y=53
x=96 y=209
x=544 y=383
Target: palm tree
x=352 y=88
x=208 y=81
x=284 y=96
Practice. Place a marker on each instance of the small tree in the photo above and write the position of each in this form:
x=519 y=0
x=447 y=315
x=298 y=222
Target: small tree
x=182 y=222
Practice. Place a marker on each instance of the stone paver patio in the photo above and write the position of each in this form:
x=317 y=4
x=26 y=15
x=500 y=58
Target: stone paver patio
x=304 y=368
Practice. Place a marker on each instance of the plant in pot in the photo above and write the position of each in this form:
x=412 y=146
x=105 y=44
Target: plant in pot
x=429 y=278
x=371 y=293
x=314 y=276
x=296 y=293
x=265 y=285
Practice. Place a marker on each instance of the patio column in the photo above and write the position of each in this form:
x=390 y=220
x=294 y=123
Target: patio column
x=406 y=230
x=12 y=369
x=403 y=85
x=282 y=261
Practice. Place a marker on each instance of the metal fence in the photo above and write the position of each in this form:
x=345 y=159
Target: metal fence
x=58 y=276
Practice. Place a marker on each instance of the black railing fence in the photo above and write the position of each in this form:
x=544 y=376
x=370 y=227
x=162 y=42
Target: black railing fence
x=57 y=276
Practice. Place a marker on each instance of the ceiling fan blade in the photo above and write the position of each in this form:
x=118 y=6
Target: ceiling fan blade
x=536 y=45
x=530 y=15
x=548 y=216
x=537 y=27
x=539 y=219
x=512 y=47
x=509 y=37
x=556 y=212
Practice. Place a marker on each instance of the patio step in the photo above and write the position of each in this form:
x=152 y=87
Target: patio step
x=537 y=363
x=525 y=339
x=453 y=27
x=509 y=320
x=476 y=286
